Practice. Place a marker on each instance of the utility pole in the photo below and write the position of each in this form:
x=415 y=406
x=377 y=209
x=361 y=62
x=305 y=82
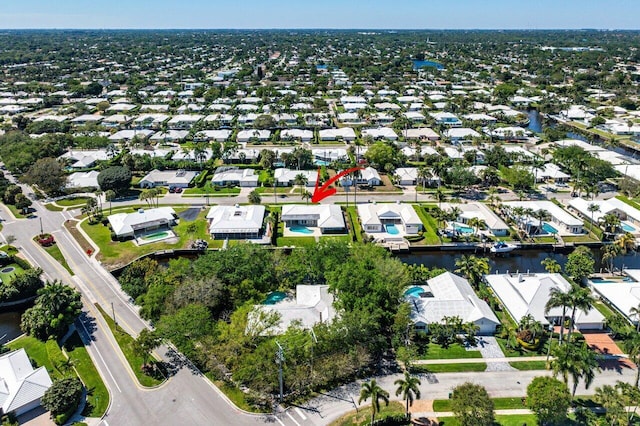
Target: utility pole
x=279 y=361
x=113 y=313
x=41 y=231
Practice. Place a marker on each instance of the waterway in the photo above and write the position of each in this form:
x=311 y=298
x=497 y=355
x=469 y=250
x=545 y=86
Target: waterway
x=535 y=121
x=421 y=64
x=516 y=261
x=9 y=326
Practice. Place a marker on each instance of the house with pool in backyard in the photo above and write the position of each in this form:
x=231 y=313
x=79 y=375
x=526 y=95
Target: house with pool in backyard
x=389 y=224
x=144 y=226
x=301 y=220
x=237 y=223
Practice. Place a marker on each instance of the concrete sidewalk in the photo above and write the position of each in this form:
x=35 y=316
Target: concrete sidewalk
x=506 y=359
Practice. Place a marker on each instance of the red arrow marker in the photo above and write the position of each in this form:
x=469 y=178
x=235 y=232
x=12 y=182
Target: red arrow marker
x=324 y=191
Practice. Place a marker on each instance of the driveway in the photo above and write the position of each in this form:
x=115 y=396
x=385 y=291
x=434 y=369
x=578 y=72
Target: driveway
x=603 y=344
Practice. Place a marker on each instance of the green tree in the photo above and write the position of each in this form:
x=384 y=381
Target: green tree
x=264 y=121
x=615 y=399
x=472 y=405
x=23 y=203
x=371 y=390
x=10 y=194
x=381 y=153
x=116 y=178
x=558 y=299
x=551 y=265
x=48 y=174
x=109 y=195
x=575 y=360
x=632 y=348
x=63 y=396
x=580 y=299
x=580 y=264
x=56 y=307
x=135 y=278
x=186 y=327
x=472 y=267
x=300 y=180
x=144 y=344
x=254 y=197
x=549 y=399
x=409 y=387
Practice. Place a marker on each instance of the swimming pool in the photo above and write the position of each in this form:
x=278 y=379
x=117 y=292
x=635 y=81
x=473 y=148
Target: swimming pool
x=321 y=162
x=300 y=229
x=463 y=228
x=601 y=281
x=392 y=229
x=547 y=228
x=275 y=297
x=414 y=292
x=627 y=227
x=155 y=236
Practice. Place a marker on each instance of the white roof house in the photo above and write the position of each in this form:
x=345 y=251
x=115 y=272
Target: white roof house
x=623 y=293
x=550 y=171
x=567 y=223
x=468 y=211
x=510 y=133
x=327 y=217
x=184 y=121
x=346 y=133
x=240 y=177
x=527 y=294
x=177 y=178
x=450 y=295
x=380 y=133
x=611 y=206
x=446 y=118
x=379 y=218
x=170 y=135
x=296 y=134
x=127 y=224
x=407 y=175
x=236 y=222
x=221 y=135
x=21 y=387
x=368 y=176
x=249 y=134
x=81 y=159
x=83 y=179
x=329 y=154
x=286 y=177
x=461 y=133
x=128 y=134
x=313 y=304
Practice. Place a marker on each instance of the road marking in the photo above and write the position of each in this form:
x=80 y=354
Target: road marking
x=292 y=419
x=300 y=413
x=101 y=358
x=278 y=420
x=56 y=231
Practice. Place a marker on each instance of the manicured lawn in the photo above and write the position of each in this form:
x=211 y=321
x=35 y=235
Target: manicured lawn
x=520 y=352
x=125 y=341
x=449 y=368
x=53 y=208
x=37 y=351
x=296 y=241
x=212 y=191
x=17 y=213
x=97 y=393
x=580 y=239
x=363 y=415
x=529 y=365
x=499 y=404
x=430 y=226
x=546 y=240
x=75 y=202
x=343 y=238
x=354 y=223
x=7 y=277
x=54 y=251
x=269 y=190
x=455 y=351
x=628 y=201
x=115 y=252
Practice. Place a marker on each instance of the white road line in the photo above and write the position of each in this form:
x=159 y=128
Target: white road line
x=278 y=420
x=56 y=231
x=292 y=419
x=86 y=332
x=297 y=410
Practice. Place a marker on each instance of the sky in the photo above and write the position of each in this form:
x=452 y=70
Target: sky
x=394 y=14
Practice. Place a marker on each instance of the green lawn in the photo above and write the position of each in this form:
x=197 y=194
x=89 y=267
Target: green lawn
x=97 y=393
x=54 y=251
x=354 y=223
x=125 y=341
x=529 y=365
x=53 y=208
x=580 y=239
x=17 y=213
x=212 y=191
x=449 y=368
x=442 y=405
x=363 y=415
x=73 y=202
x=269 y=190
x=430 y=226
x=234 y=394
x=7 y=277
x=628 y=201
x=455 y=351
x=115 y=252
x=37 y=351
x=296 y=241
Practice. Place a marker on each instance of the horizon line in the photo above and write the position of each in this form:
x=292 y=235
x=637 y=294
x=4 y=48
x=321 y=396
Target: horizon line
x=311 y=29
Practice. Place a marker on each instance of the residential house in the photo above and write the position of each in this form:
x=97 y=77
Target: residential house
x=83 y=179
x=328 y=218
x=287 y=177
x=21 y=386
x=127 y=225
x=449 y=295
x=561 y=221
x=225 y=176
x=395 y=218
x=169 y=178
x=367 y=176
x=236 y=222
x=344 y=133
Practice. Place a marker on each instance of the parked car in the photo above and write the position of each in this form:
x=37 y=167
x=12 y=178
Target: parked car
x=175 y=189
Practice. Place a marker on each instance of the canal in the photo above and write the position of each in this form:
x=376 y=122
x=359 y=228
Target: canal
x=9 y=326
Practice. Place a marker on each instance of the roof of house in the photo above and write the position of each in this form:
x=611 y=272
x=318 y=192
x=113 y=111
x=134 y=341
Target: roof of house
x=83 y=179
x=623 y=294
x=380 y=132
x=606 y=207
x=235 y=219
x=528 y=294
x=20 y=384
x=126 y=223
x=343 y=132
x=452 y=296
x=240 y=175
x=327 y=215
x=313 y=304
x=170 y=176
x=285 y=175
x=371 y=213
x=557 y=212
x=481 y=211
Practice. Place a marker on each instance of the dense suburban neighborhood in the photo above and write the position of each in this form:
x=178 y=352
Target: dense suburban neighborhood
x=275 y=226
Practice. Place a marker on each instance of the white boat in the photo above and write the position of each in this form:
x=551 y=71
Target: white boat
x=502 y=247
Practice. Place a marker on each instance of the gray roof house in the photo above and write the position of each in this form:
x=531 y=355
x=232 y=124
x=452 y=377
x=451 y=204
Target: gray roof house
x=21 y=387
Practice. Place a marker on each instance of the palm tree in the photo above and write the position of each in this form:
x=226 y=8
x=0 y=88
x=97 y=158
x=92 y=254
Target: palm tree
x=109 y=195
x=541 y=215
x=472 y=267
x=254 y=197
x=610 y=223
x=558 y=299
x=409 y=388
x=632 y=348
x=551 y=266
x=635 y=312
x=577 y=361
x=300 y=180
x=609 y=254
x=306 y=195
x=477 y=224
x=424 y=174
x=376 y=393
x=582 y=299
x=440 y=195
x=626 y=242
x=592 y=208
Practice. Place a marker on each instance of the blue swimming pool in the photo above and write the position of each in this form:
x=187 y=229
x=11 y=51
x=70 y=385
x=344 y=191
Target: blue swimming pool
x=462 y=228
x=321 y=162
x=392 y=229
x=627 y=227
x=414 y=292
x=300 y=229
x=601 y=281
x=275 y=297
x=547 y=228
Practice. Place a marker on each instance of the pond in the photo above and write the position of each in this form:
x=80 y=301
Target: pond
x=9 y=326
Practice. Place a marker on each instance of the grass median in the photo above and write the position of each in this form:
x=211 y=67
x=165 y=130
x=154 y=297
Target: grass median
x=125 y=341
x=466 y=367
